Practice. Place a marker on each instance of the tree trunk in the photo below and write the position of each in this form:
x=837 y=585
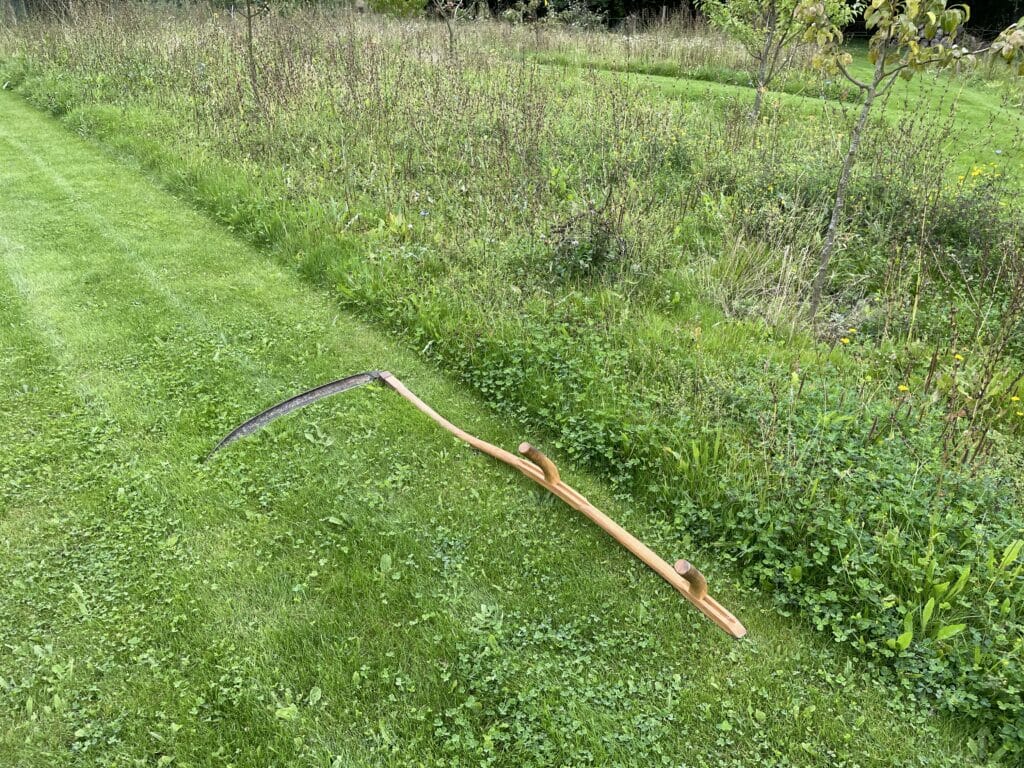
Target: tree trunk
x=761 y=87
x=451 y=36
x=250 y=17
x=844 y=182
x=762 y=68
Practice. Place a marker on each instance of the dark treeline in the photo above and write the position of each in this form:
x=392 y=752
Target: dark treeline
x=21 y=9
x=987 y=16
x=612 y=10
x=995 y=15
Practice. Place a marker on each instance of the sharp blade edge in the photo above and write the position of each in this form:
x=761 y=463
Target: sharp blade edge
x=300 y=400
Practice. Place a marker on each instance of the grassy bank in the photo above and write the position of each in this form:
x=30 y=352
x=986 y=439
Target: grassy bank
x=621 y=268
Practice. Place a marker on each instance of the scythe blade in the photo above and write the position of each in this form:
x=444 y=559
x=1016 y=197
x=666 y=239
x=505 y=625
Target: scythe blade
x=301 y=400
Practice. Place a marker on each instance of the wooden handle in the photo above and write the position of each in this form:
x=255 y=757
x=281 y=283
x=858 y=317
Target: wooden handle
x=542 y=461
x=695 y=578
x=541 y=470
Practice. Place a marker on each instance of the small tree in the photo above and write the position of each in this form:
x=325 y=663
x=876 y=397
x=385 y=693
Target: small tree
x=450 y=11
x=768 y=30
x=254 y=9
x=9 y=13
x=908 y=36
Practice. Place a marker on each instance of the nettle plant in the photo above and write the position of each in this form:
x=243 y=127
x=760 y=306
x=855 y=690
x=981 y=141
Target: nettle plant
x=908 y=36
x=769 y=30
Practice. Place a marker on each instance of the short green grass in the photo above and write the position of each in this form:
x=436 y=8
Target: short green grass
x=988 y=129
x=351 y=587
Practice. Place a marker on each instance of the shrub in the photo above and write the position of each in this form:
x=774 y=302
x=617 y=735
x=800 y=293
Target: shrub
x=590 y=241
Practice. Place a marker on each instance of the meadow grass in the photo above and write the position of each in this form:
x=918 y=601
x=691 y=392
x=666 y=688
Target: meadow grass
x=618 y=262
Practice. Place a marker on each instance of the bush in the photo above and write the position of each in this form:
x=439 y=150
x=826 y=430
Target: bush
x=589 y=242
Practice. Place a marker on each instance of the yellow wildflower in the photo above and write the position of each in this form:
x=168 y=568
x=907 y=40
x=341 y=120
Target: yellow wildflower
x=844 y=340
x=903 y=388
x=1015 y=399
x=958 y=357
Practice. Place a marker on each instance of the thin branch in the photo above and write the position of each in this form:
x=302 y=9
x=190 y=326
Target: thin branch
x=783 y=44
x=851 y=78
x=891 y=78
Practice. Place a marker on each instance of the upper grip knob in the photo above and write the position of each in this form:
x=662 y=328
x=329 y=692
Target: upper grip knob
x=547 y=466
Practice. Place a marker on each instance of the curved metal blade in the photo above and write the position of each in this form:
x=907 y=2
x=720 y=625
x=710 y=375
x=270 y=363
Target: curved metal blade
x=301 y=400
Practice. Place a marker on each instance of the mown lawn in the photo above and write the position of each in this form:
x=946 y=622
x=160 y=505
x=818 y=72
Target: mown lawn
x=352 y=587
x=985 y=114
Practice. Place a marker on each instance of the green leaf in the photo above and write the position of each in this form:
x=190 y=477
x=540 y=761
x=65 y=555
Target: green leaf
x=1010 y=553
x=315 y=694
x=949 y=631
x=950 y=21
x=291 y=712
x=965 y=574
x=385 y=563
x=903 y=641
x=926 y=614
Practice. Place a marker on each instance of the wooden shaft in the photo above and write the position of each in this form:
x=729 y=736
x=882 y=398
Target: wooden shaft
x=690 y=585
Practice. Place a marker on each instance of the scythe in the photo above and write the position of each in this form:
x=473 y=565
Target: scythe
x=683 y=576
